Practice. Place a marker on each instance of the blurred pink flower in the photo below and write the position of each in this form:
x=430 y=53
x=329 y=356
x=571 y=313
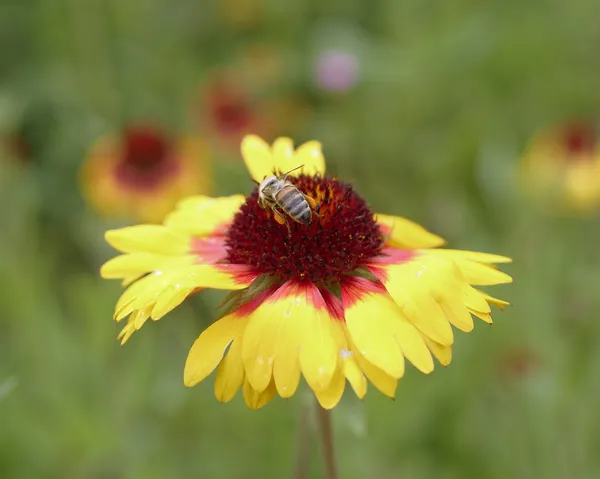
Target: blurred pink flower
x=337 y=70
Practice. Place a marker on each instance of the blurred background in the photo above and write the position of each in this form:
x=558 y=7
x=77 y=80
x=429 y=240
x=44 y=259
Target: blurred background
x=475 y=119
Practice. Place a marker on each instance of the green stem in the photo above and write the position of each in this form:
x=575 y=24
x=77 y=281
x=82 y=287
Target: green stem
x=303 y=449
x=326 y=433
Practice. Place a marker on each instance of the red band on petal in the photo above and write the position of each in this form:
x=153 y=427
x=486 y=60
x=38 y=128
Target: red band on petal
x=316 y=298
x=393 y=256
x=334 y=305
x=355 y=288
x=248 y=308
x=242 y=274
x=387 y=257
x=209 y=249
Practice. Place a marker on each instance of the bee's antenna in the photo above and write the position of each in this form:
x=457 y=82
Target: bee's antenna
x=285 y=175
x=255 y=182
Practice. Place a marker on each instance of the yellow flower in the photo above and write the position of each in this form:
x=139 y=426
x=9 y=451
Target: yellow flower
x=348 y=297
x=561 y=167
x=143 y=174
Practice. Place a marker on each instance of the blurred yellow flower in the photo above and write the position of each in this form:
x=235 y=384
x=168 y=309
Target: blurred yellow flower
x=561 y=167
x=348 y=297
x=142 y=173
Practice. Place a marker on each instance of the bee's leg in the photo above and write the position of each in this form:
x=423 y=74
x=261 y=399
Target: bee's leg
x=280 y=218
x=312 y=203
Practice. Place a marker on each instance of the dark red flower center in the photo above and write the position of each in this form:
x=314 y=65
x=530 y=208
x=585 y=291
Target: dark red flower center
x=343 y=234
x=580 y=139
x=146 y=157
x=231 y=115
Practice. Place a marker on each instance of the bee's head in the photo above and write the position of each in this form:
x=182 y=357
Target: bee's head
x=268 y=187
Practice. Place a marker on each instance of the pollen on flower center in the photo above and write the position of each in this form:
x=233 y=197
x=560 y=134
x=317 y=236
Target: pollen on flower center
x=342 y=235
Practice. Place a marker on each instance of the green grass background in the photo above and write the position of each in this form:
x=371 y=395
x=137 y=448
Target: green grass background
x=449 y=93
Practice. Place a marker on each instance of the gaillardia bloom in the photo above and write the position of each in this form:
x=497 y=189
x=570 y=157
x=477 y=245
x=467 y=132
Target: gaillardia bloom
x=227 y=109
x=349 y=296
x=142 y=173
x=561 y=167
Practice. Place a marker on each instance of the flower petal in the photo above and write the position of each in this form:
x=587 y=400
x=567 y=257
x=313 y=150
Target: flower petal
x=382 y=381
x=403 y=233
x=413 y=285
x=283 y=156
x=203 y=215
x=368 y=319
x=330 y=396
x=148 y=239
x=258 y=157
x=230 y=373
x=255 y=399
x=368 y=303
x=310 y=154
x=133 y=264
x=495 y=301
x=306 y=333
x=208 y=350
x=442 y=353
x=353 y=374
x=171 y=288
x=259 y=348
x=472 y=256
x=477 y=268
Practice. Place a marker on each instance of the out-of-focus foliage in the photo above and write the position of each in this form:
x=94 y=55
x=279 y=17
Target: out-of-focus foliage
x=445 y=97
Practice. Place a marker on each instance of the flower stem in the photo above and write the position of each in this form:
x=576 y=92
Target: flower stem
x=326 y=432
x=303 y=445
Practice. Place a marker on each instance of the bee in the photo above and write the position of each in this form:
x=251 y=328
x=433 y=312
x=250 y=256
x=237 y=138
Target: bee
x=284 y=199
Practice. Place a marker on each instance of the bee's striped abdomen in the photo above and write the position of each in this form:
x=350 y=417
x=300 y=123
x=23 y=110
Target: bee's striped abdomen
x=292 y=201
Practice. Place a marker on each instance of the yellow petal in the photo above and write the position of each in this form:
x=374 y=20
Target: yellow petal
x=495 y=301
x=471 y=256
x=255 y=399
x=169 y=300
x=482 y=274
x=474 y=300
x=442 y=353
x=286 y=370
x=126 y=332
x=317 y=334
x=369 y=303
x=283 y=156
x=148 y=239
x=137 y=263
x=258 y=158
x=259 y=347
x=310 y=155
x=166 y=290
x=203 y=215
x=412 y=345
x=353 y=374
x=457 y=313
x=230 y=373
x=124 y=305
x=382 y=381
x=369 y=320
x=330 y=396
x=403 y=233
x=486 y=317
x=319 y=350
x=139 y=318
x=413 y=286
x=208 y=350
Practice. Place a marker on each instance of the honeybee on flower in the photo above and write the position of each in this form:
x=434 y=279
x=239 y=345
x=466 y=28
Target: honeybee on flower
x=346 y=298
x=285 y=200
